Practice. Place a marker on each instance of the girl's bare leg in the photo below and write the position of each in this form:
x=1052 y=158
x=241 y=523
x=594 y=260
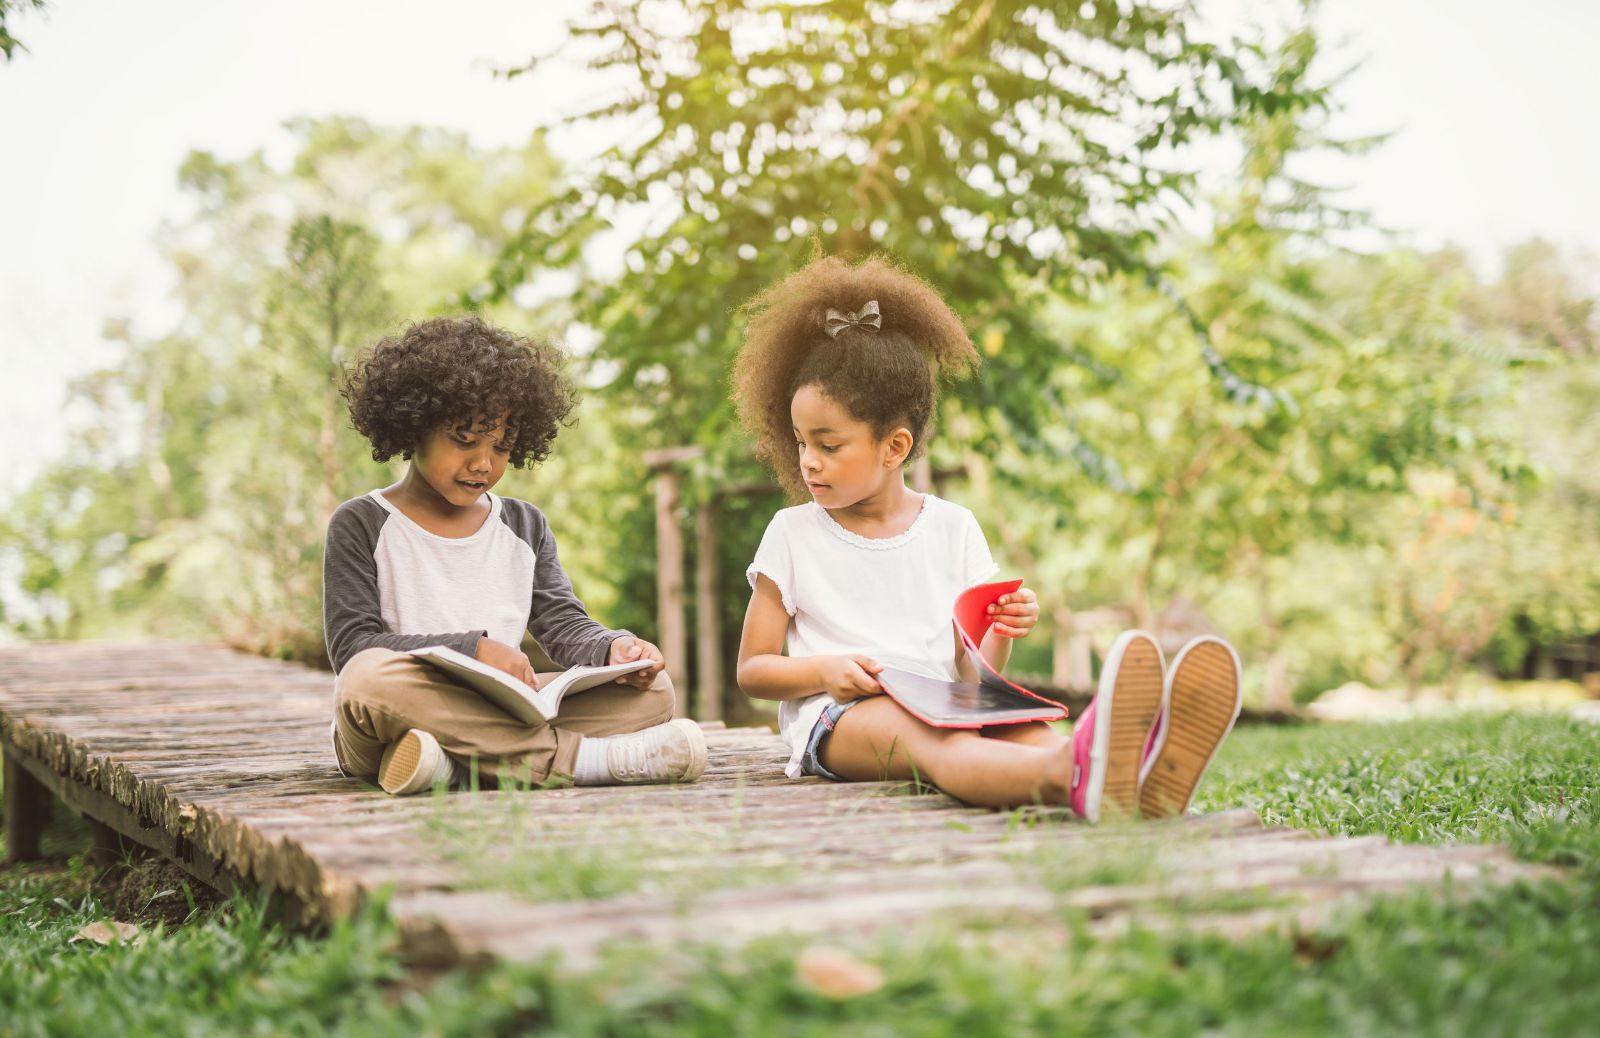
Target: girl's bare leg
x=1034 y=733
x=876 y=739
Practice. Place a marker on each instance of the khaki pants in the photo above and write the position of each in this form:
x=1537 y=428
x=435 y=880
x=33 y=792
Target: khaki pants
x=381 y=694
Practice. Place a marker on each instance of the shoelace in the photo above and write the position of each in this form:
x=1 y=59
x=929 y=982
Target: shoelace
x=630 y=758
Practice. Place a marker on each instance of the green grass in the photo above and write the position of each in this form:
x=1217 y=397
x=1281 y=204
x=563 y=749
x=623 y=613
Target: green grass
x=1529 y=780
x=1524 y=960
x=226 y=973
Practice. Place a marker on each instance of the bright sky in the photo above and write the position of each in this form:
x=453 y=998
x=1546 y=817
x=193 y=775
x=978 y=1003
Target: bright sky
x=1492 y=105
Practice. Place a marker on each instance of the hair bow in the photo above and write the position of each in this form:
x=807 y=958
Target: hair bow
x=867 y=317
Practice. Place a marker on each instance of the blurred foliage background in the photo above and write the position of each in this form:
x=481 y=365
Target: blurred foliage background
x=1199 y=409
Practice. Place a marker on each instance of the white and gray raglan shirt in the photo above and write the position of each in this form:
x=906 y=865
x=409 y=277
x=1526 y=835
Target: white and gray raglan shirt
x=388 y=582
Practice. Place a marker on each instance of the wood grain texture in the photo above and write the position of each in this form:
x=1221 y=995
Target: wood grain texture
x=221 y=762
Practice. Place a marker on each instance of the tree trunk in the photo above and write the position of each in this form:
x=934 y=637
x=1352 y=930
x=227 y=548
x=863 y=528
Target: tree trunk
x=1144 y=614
x=150 y=438
x=1277 y=693
x=328 y=492
x=708 y=617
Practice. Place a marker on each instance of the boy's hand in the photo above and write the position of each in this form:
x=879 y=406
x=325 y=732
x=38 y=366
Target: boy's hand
x=847 y=678
x=508 y=658
x=627 y=649
x=1015 y=614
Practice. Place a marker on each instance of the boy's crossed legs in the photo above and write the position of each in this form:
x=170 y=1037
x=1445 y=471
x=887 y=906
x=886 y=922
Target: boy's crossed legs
x=381 y=696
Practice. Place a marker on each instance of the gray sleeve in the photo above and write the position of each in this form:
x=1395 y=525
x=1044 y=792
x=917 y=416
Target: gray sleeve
x=557 y=620
x=351 y=617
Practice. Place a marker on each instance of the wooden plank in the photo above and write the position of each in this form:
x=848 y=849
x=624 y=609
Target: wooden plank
x=480 y=926
x=222 y=763
x=27 y=806
x=125 y=824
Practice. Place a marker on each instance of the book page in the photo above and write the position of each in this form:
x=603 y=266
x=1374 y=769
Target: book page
x=514 y=696
x=510 y=694
x=576 y=679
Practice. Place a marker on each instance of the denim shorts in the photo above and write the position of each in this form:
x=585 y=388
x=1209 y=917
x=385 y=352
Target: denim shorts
x=811 y=758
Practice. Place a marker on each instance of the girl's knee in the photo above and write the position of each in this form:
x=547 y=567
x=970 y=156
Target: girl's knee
x=941 y=751
x=877 y=738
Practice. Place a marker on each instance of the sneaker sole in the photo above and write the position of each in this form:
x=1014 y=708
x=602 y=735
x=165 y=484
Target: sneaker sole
x=399 y=765
x=697 y=748
x=1129 y=698
x=1203 y=703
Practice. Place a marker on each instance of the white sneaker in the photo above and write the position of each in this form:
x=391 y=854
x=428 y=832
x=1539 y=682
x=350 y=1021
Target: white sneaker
x=671 y=752
x=415 y=764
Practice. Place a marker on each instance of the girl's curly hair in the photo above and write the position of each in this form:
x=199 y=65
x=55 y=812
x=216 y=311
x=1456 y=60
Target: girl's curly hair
x=452 y=372
x=884 y=377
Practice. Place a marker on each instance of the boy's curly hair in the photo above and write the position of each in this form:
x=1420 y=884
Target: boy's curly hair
x=884 y=377
x=452 y=372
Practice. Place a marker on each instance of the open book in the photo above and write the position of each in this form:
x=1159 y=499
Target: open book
x=992 y=699
x=516 y=697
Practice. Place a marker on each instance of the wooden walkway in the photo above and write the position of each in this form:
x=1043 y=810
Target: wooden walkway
x=221 y=762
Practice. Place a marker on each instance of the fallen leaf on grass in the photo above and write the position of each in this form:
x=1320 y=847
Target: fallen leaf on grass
x=835 y=973
x=113 y=932
x=1309 y=948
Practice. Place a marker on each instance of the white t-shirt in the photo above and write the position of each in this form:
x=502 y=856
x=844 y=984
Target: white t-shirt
x=428 y=582
x=889 y=598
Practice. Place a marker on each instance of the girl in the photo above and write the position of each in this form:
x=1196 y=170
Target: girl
x=834 y=379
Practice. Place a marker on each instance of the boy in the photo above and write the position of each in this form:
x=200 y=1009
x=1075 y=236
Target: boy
x=437 y=559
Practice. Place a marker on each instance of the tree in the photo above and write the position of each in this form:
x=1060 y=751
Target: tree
x=193 y=503
x=1537 y=302
x=1010 y=151
x=322 y=307
x=9 y=44
x=1014 y=153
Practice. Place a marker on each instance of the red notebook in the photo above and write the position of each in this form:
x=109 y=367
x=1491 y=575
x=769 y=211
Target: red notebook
x=992 y=699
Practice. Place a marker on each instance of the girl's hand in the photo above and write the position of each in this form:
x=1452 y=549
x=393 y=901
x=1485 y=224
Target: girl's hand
x=508 y=658
x=627 y=649
x=848 y=678
x=1015 y=614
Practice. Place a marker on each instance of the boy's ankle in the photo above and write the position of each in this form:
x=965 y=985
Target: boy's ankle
x=415 y=763
x=671 y=752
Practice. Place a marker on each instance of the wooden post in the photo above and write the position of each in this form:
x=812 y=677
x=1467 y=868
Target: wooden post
x=27 y=811
x=707 y=616
x=107 y=846
x=669 y=569
x=1073 y=660
x=669 y=585
x=1070 y=666
x=922 y=475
